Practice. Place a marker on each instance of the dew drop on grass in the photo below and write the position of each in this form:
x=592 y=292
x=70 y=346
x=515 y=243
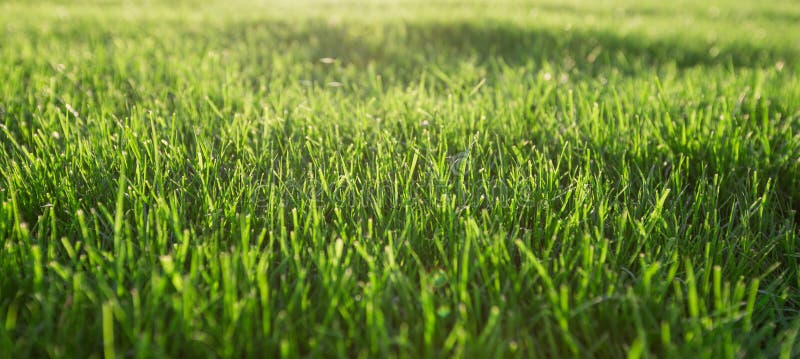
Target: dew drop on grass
x=443 y=311
x=438 y=278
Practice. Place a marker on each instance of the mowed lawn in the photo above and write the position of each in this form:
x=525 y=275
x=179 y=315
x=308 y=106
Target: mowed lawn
x=418 y=179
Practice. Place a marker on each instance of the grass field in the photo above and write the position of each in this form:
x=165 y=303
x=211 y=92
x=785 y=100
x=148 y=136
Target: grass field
x=410 y=178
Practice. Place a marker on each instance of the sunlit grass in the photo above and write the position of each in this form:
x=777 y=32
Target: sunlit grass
x=365 y=178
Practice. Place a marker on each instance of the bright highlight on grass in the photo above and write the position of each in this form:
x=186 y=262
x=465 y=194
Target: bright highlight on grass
x=410 y=178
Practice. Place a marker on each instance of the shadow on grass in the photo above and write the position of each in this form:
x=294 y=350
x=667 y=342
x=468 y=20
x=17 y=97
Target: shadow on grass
x=412 y=45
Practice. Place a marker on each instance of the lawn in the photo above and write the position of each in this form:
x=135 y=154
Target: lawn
x=411 y=178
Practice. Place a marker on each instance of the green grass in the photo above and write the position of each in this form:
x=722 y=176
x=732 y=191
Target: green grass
x=419 y=179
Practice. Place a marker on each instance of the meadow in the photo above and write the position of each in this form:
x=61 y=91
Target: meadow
x=409 y=178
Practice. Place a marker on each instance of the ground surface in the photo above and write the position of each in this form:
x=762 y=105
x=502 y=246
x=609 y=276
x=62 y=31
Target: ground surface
x=416 y=178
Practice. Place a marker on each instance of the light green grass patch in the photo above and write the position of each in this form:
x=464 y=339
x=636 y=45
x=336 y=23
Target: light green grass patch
x=412 y=178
